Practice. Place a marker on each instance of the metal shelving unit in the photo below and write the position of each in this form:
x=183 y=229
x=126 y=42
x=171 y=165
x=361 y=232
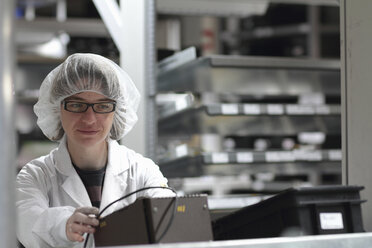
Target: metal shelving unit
x=211 y=114
x=249 y=96
x=266 y=76
x=223 y=8
x=251 y=109
x=82 y=27
x=312 y=165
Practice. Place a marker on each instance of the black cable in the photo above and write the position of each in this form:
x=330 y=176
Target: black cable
x=169 y=222
x=132 y=193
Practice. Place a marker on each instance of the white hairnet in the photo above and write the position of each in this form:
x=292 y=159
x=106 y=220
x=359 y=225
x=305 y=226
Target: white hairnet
x=87 y=72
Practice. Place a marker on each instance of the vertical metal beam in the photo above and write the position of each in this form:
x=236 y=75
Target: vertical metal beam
x=111 y=16
x=356 y=88
x=61 y=10
x=344 y=103
x=7 y=132
x=151 y=127
x=132 y=27
x=138 y=59
x=313 y=41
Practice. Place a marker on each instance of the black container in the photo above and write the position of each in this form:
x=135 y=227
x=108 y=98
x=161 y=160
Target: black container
x=296 y=211
x=157 y=220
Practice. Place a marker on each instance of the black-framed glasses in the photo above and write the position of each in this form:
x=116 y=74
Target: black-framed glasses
x=81 y=107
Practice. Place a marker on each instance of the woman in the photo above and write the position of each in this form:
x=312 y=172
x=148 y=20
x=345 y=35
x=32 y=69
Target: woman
x=86 y=104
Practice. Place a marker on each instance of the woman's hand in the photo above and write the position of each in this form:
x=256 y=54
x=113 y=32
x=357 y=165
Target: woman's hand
x=83 y=220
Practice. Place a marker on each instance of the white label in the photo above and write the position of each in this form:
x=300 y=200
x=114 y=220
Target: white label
x=251 y=109
x=181 y=150
x=220 y=158
x=244 y=157
x=275 y=109
x=323 y=110
x=331 y=221
x=299 y=109
x=335 y=155
x=279 y=156
x=181 y=104
x=314 y=138
x=313 y=98
x=229 y=109
x=308 y=155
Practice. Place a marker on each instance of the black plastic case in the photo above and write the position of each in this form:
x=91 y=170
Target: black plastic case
x=294 y=212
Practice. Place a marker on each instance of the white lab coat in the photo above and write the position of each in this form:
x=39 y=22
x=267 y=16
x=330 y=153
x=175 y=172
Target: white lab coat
x=49 y=190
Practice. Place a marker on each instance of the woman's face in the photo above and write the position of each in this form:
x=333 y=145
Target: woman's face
x=87 y=128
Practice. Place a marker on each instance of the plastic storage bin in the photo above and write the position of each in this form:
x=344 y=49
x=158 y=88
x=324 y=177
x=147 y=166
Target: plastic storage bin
x=296 y=211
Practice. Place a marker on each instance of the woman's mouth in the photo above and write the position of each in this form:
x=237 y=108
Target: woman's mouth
x=87 y=132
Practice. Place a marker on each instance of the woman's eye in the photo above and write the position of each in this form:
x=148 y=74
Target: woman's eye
x=76 y=105
x=103 y=106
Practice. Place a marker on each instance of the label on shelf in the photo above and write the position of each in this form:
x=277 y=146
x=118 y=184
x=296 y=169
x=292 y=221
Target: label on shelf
x=220 y=158
x=275 y=109
x=251 y=109
x=295 y=109
x=181 y=150
x=308 y=155
x=181 y=104
x=323 y=110
x=312 y=98
x=281 y=156
x=335 y=155
x=331 y=221
x=244 y=157
x=229 y=109
x=314 y=138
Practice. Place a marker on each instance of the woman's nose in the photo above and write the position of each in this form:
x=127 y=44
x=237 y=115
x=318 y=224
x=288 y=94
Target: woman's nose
x=89 y=115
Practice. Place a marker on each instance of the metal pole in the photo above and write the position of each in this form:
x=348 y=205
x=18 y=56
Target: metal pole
x=136 y=44
x=313 y=40
x=7 y=132
x=151 y=127
x=138 y=59
x=356 y=58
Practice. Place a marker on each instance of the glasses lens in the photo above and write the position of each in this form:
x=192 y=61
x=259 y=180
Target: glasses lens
x=80 y=107
x=77 y=107
x=104 y=107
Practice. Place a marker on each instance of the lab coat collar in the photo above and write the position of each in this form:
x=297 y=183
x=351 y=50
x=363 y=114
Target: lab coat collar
x=116 y=164
x=72 y=185
x=117 y=161
x=114 y=185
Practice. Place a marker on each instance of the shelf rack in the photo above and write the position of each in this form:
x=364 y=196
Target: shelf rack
x=266 y=75
x=249 y=96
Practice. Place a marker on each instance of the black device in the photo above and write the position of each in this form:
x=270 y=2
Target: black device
x=296 y=211
x=157 y=220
